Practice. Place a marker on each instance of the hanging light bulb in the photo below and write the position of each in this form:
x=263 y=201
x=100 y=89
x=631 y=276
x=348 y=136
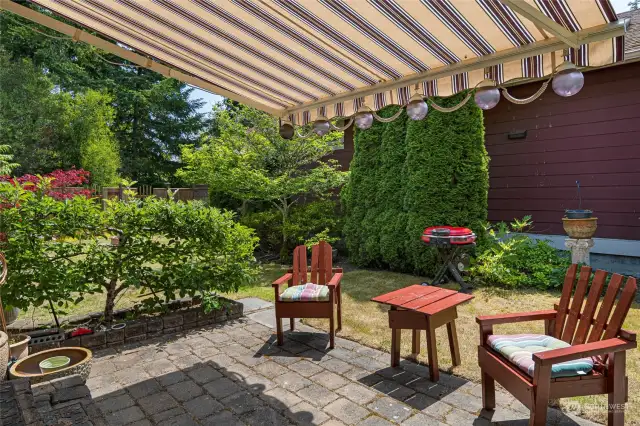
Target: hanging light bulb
x=568 y=80
x=417 y=108
x=363 y=118
x=321 y=126
x=286 y=130
x=487 y=94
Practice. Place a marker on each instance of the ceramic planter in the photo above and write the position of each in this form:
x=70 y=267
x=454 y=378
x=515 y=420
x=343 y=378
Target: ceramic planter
x=4 y=354
x=29 y=367
x=580 y=228
x=20 y=349
x=578 y=214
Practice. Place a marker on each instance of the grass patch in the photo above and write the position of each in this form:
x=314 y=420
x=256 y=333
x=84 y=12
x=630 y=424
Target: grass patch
x=366 y=322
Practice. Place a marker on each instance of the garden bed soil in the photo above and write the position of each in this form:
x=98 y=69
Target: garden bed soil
x=182 y=314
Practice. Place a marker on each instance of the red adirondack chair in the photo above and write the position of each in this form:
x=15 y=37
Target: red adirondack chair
x=600 y=337
x=310 y=297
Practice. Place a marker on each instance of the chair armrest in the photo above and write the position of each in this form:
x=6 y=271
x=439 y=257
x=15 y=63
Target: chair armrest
x=335 y=279
x=602 y=347
x=283 y=279
x=516 y=317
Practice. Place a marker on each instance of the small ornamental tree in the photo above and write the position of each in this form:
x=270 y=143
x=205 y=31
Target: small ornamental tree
x=169 y=249
x=58 y=250
x=53 y=184
x=250 y=162
x=42 y=239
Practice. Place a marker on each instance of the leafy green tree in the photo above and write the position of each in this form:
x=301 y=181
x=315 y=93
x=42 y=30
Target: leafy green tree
x=29 y=116
x=90 y=126
x=6 y=160
x=153 y=115
x=252 y=163
x=634 y=4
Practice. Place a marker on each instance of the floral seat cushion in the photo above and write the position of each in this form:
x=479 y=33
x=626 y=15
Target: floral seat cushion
x=519 y=348
x=306 y=293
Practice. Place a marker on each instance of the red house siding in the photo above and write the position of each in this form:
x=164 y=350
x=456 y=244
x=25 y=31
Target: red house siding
x=593 y=137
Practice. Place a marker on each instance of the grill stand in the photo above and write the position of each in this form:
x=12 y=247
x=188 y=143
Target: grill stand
x=447 y=255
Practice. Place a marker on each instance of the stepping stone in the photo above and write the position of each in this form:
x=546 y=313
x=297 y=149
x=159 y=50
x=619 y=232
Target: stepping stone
x=267 y=317
x=252 y=304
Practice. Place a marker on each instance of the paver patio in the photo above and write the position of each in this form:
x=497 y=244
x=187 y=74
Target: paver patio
x=235 y=374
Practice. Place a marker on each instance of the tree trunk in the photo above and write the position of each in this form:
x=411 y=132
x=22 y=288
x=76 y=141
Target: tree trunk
x=111 y=301
x=284 y=210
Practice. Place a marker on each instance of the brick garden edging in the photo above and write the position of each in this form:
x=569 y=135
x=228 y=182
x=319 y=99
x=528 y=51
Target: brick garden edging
x=183 y=316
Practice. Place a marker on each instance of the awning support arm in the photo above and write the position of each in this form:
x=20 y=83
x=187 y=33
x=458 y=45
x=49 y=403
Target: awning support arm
x=534 y=15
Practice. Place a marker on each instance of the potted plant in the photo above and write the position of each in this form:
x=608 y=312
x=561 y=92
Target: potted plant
x=19 y=346
x=579 y=223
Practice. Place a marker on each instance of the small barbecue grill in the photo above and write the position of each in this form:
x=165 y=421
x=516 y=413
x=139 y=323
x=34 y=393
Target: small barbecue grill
x=450 y=241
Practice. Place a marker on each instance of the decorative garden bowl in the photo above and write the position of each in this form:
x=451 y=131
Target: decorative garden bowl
x=54 y=363
x=580 y=228
x=29 y=367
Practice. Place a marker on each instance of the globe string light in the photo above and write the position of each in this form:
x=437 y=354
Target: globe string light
x=566 y=81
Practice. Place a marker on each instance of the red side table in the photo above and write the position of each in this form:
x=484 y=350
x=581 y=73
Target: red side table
x=419 y=307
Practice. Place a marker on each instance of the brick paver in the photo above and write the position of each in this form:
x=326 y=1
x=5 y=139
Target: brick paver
x=234 y=374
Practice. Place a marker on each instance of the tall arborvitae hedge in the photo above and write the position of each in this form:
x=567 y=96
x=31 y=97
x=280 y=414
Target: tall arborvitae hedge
x=407 y=175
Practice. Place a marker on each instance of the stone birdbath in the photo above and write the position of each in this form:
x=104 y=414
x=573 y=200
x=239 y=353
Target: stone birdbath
x=580 y=226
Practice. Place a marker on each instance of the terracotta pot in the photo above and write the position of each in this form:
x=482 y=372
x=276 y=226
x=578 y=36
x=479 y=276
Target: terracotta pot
x=580 y=228
x=29 y=367
x=20 y=349
x=4 y=354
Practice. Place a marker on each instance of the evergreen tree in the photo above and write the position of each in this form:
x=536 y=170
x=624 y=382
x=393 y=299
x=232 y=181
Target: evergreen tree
x=153 y=115
x=407 y=175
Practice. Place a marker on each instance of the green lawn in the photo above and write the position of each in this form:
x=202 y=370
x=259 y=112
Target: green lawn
x=366 y=322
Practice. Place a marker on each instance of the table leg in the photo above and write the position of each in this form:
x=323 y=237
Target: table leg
x=396 y=333
x=453 y=343
x=432 y=351
x=415 y=343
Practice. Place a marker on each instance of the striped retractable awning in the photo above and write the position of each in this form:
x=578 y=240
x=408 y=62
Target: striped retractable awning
x=308 y=58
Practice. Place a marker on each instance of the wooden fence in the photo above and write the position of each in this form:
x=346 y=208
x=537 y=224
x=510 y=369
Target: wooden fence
x=196 y=192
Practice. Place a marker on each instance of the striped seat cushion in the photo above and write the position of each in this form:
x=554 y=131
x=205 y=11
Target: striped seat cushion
x=306 y=293
x=519 y=348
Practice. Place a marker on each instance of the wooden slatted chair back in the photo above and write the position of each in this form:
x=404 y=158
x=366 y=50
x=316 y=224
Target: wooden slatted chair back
x=299 y=265
x=580 y=318
x=321 y=264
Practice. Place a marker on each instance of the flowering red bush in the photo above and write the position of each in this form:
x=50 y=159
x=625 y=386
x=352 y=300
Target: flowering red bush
x=58 y=179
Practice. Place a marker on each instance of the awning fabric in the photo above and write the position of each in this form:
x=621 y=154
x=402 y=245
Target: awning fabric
x=290 y=54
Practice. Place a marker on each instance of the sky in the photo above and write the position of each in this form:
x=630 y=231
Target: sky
x=210 y=98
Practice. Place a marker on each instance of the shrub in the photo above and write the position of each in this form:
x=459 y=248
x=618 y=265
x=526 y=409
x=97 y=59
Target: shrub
x=42 y=241
x=169 y=248
x=51 y=183
x=58 y=250
x=307 y=222
x=407 y=175
x=512 y=259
